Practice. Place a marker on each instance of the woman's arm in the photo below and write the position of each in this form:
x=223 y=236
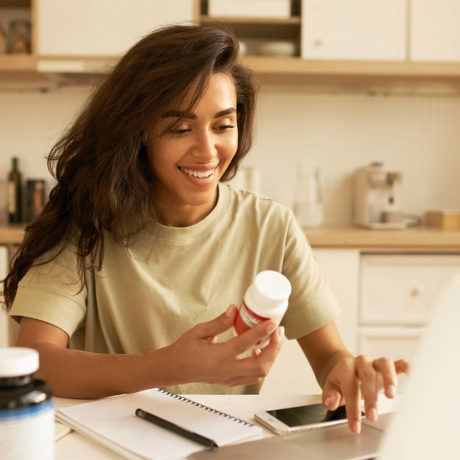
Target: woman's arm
x=194 y=357
x=346 y=379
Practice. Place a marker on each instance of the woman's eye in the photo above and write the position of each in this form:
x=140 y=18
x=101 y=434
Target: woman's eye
x=179 y=132
x=224 y=127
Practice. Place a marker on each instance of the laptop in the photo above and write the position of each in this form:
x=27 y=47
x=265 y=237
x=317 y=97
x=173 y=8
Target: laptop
x=425 y=426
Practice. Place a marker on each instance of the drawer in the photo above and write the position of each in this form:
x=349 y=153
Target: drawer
x=392 y=342
x=401 y=289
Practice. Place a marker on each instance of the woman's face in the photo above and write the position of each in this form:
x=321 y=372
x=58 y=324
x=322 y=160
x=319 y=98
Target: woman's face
x=188 y=160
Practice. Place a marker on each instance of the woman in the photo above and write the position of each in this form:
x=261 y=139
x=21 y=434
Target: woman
x=123 y=282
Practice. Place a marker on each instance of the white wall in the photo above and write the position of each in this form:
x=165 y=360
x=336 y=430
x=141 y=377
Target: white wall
x=418 y=135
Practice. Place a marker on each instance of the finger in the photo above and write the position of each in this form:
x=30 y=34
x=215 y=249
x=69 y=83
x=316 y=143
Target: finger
x=217 y=325
x=331 y=396
x=352 y=397
x=386 y=368
x=402 y=366
x=251 y=337
x=275 y=342
x=350 y=388
x=261 y=361
x=367 y=376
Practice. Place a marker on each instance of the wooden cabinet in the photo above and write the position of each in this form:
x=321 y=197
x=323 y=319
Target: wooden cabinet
x=359 y=43
x=398 y=295
x=354 y=30
x=102 y=27
x=11 y=10
x=434 y=31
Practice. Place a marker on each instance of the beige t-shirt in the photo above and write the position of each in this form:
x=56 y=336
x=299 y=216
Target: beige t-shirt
x=171 y=278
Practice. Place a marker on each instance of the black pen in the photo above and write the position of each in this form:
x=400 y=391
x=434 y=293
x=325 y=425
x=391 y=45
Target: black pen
x=176 y=429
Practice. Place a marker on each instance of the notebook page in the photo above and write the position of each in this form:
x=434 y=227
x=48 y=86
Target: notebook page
x=112 y=422
x=220 y=427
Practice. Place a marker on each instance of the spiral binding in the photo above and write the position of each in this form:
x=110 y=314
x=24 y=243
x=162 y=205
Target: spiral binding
x=202 y=406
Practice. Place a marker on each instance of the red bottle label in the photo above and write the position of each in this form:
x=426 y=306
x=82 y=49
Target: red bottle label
x=246 y=319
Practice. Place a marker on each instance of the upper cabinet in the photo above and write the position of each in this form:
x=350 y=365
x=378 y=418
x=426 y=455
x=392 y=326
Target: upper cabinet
x=434 y=30
x=354 y=29
x=319 y=41
x=102 y=27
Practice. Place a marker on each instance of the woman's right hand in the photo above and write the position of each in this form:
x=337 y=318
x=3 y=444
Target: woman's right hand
x=197 y=356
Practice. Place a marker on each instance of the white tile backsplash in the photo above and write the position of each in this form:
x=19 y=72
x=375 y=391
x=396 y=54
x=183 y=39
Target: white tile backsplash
x=338 y=133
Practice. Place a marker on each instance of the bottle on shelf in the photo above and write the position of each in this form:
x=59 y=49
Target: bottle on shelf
x=14 y=193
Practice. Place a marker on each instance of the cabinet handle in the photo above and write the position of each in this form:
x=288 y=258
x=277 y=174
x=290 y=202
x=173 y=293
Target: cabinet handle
x=417 y=289
x=317 y=43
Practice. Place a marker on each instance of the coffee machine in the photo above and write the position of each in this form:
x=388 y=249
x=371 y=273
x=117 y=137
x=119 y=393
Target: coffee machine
x=376 y=198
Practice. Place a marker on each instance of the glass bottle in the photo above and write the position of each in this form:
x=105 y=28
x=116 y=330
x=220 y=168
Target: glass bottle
x=14 y=193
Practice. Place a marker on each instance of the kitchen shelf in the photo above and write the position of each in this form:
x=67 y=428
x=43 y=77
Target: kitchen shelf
x=293 y=20
x=17 y=62
x=403 y=69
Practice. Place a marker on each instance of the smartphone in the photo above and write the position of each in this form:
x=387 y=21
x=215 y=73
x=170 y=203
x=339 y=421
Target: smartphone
x=286 y=420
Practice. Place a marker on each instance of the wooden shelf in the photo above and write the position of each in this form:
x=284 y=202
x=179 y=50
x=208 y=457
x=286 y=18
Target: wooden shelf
x=17 y=62
x=296 y=65
x=293 y=20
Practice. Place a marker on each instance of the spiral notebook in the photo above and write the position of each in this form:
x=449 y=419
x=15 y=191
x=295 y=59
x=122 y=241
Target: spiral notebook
x=112 y=422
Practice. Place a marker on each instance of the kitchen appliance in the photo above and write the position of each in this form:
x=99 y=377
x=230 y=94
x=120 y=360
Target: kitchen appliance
x=376 y=198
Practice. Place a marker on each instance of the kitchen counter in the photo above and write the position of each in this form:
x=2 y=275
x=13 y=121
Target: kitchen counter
x=421 y=239
x=11 y=234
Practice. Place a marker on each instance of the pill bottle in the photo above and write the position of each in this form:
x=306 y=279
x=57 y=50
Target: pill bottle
x=26 y=408
x=266 y=298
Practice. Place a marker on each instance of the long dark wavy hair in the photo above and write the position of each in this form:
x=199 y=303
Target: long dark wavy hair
x=104 y=181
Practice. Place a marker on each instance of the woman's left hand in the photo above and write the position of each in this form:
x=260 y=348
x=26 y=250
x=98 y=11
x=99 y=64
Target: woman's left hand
x=353 y=378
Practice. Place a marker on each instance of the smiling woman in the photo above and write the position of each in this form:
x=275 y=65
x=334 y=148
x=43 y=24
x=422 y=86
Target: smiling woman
x=129 y=277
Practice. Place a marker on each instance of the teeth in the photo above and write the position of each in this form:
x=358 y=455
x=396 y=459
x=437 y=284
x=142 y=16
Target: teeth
x=200 y=174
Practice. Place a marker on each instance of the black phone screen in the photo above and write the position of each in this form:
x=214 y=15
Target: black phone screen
x=305 y=415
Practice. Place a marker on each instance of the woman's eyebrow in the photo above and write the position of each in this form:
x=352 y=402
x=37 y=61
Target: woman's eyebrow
x=191 y=115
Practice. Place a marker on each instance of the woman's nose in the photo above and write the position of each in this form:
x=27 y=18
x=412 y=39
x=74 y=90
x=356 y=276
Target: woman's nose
x=205 y=147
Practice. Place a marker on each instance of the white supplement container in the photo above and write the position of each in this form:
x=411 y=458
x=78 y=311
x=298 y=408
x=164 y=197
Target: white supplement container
x=26 y=408
x=266 y=298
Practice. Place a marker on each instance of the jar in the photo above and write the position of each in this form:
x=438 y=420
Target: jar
x=266 y=298
x=26 y=408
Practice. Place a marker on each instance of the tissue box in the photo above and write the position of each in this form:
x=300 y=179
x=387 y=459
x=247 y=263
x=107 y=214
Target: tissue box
x=250 y=8
x=447 y=220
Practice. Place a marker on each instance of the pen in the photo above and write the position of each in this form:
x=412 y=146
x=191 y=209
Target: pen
x=176 y=429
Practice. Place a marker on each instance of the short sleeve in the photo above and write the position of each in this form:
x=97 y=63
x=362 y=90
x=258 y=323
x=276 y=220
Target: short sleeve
x=52 y=292
x=311 y=304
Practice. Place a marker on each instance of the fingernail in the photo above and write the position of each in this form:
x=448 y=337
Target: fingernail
x=356 y=427
x=281 y=332
x=328 y=402
x=391 y=391
x=372 y=414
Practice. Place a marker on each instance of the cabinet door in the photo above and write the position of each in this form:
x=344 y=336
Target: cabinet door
x=402 y=289
x=434 y=30
x=291 y=373
x=394 y=342
x=354 y=29
x=102 y=27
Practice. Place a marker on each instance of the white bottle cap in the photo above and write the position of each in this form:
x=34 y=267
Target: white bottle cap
x=17 y=361
x=269 y=292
